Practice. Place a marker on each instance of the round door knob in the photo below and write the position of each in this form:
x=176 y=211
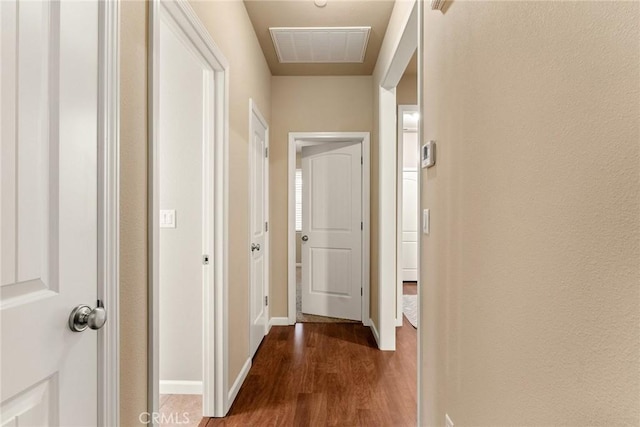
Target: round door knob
x=305 y=238
x=83 y=317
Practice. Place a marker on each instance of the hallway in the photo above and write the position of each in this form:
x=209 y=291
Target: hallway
x=330 y=373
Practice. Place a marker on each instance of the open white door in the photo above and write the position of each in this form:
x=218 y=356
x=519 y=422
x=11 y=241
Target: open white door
x=409 y=225
x=258 y=228
x=332 y=230
x=49 y=196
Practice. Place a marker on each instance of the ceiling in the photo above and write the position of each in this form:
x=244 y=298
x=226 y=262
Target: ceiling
x=304 y=13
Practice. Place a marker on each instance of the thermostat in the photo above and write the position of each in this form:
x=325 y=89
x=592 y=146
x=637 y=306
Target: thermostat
x=428 y=154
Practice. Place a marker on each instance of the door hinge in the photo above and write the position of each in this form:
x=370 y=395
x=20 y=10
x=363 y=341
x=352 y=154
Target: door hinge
x=361 y=160
x=361 y=292
x=361 y=225
x=266 y=300
x=266 y=226
x=266 y=151
x=205 y=259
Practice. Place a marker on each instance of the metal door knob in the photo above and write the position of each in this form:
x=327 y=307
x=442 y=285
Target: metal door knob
x=305 y=238
x=255 y=247
x=83 y=317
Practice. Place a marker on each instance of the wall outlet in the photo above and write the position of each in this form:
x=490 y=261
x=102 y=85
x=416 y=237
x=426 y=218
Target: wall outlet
x=447 y=421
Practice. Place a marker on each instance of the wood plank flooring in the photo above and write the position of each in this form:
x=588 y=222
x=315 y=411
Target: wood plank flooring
x=327 y=374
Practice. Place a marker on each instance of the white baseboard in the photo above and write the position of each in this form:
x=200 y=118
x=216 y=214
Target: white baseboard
x=398 y=321
x=298 y=264
x=180 y=387
x=278 y=321
x=375 y=332
x=235 y=388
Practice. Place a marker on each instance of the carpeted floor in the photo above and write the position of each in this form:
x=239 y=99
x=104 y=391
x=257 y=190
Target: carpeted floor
x=311 y=318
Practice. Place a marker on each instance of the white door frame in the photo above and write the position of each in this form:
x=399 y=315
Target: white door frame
x=403 y=50
x=109 y=211
x=401 y=110
x=253 y=109
x=215 y=198
x=410 y=41
x=328 y=137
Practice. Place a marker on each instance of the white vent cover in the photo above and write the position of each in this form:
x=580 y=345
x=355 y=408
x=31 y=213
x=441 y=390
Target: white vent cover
x=320 y=44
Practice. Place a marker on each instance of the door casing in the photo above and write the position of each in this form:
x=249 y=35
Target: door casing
x=311 y=138
x=216 y=401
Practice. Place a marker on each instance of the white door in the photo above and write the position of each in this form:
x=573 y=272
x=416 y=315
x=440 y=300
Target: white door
x=49 y=250
x=258 y=229
x=332 y=230
x=409 y=191
x=410 y=225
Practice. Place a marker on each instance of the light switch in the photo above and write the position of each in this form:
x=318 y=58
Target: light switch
x=425 y=221
x=167 y=218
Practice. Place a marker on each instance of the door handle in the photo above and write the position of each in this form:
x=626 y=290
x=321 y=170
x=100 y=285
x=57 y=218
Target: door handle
x=255 y=247
x=305 y=238
x=83 y=317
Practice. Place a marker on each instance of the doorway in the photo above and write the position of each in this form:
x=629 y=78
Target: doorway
x=187 y=217
x=408 y=158
x=331 y=279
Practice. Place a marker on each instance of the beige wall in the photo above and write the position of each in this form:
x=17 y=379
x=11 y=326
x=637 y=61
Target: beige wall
x=407 y=90
x=231 y=29
x=306 y=104
x=531 y=273
x=133 y=211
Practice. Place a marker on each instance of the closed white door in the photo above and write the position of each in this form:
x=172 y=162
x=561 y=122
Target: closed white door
x=258 y=230
x=410 y=225
x=332 y=230
x=49 y=250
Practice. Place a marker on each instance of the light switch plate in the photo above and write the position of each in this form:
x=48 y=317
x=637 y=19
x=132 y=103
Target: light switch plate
x=425 y=221
x=167 y=218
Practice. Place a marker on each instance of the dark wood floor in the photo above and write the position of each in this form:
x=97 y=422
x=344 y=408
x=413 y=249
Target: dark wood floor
x=328 y=374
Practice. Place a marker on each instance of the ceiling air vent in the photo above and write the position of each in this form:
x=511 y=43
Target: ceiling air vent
x=320 y=44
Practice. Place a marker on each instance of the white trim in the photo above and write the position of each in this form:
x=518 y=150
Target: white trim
x=328 y=137
x=215 y=296
x=387 y=239
x=180 y=387
x=402 y=50
x=374 y=331
x=237 y=384
x=421 y=112
x=278 y=321
x=109 y=213
x=253 y=109
x=400 y=169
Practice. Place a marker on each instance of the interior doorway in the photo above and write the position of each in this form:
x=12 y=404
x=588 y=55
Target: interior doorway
x=407 y=263
x=188 y=128
x=330 y=285
x=328 y=227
